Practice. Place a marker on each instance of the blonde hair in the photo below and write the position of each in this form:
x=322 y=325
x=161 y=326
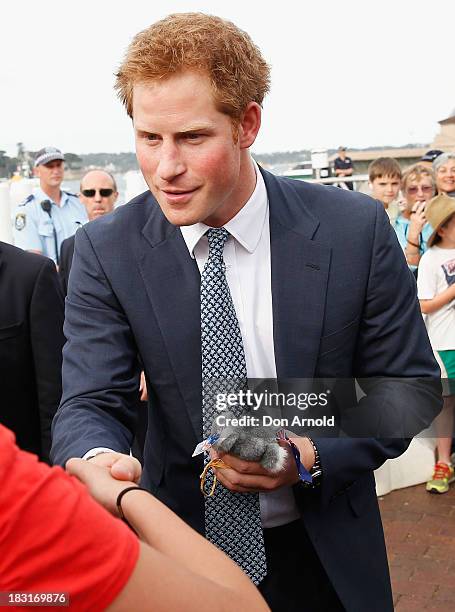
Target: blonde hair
x=237 y=71
x=416 y=173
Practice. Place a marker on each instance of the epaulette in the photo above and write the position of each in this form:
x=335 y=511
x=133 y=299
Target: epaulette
x=27 y=200
x=70 y=193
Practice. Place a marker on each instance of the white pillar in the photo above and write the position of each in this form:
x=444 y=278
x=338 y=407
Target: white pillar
x=6 y=229
x=18 y=191
x=135 y=184
x=21 y=189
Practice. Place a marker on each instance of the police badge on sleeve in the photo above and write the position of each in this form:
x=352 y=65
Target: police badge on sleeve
x=19 y=223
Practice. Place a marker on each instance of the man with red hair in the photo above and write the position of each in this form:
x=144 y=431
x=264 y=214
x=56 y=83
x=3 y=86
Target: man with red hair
x=223 y=271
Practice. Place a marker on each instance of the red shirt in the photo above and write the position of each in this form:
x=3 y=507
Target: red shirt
x=55 y=538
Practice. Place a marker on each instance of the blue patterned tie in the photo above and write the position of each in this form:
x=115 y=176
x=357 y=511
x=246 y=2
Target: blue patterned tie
x=232 y=520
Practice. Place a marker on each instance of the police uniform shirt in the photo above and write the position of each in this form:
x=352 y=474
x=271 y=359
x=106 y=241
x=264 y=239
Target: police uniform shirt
x=343 y=164
x=33 y=228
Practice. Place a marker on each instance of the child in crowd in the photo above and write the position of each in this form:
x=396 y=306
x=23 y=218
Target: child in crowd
x=436 y=290
x=384 y=176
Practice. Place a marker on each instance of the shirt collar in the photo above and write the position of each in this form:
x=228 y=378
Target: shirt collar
x=247 y=225
x=402 y=219
x=41 y=196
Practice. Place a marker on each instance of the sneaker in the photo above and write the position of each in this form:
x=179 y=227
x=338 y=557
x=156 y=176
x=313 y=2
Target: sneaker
x=443 y=475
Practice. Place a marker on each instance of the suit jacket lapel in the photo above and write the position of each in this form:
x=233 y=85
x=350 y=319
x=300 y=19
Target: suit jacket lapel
x=300 y=268
x=172 y=282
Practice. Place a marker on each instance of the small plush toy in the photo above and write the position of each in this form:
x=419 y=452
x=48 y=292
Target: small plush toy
x=252 y=443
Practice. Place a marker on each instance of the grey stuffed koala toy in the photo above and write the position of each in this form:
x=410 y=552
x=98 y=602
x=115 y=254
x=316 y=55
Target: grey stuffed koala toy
x=251 y=443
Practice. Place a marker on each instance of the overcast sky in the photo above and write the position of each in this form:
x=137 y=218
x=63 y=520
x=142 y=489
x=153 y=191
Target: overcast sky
x=357 y=73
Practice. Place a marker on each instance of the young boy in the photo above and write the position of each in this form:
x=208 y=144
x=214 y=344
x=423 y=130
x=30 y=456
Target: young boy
x=384 y=176
x=436 y=290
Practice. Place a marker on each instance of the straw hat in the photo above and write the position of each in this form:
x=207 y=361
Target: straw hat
x=437 y=212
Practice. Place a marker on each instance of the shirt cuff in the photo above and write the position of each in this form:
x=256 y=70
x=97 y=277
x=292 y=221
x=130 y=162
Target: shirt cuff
x=93 y=452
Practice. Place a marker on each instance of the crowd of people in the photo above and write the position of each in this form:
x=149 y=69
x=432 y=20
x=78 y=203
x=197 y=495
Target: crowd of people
x=423 y=217
x=220 y=271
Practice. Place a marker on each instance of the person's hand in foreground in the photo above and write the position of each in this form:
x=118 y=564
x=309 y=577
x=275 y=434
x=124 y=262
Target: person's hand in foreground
x=177 y=569
x=143 y=388
x=121 y=467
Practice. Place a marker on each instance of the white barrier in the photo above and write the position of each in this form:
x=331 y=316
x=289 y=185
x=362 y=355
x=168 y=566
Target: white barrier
x=6 y=229
x=135 y=184
x=21 y=189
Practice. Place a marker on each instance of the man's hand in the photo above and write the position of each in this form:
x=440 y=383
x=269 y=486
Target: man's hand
x=99 y=481
x=143 y=388
x=121 y=467
x=250 y=477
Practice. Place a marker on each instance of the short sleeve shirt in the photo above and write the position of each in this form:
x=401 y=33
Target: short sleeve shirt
x=33 y=228
x=436 y=274
x=55 y=538
x=343 y=164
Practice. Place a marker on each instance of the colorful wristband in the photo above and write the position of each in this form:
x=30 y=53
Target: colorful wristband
x=303 y=473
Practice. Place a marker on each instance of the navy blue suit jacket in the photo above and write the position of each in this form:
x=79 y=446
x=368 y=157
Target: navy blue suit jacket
x=31 y=341
x=344 y=305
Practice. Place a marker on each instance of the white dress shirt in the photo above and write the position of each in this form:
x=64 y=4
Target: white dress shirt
x=248 y=274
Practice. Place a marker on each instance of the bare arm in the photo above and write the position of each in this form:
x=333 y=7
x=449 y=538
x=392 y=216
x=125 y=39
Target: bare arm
x=172 y=555
x=343 y=173
x=412 y=255
x=340 y=171
x=417 y=222
x=436 y=303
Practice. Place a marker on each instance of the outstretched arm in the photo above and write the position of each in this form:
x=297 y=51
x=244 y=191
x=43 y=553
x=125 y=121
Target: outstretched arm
x=177 y=569
x=100 y=364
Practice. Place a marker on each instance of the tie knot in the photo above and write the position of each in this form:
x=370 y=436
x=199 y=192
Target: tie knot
x=217 y=237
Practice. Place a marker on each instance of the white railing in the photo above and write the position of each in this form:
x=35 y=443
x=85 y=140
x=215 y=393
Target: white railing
x=360 y=180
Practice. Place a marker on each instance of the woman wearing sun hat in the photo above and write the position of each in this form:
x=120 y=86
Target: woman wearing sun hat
x=436 y=291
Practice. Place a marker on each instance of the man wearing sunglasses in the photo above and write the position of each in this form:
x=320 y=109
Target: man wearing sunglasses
x=99 y=194
x=49 y=215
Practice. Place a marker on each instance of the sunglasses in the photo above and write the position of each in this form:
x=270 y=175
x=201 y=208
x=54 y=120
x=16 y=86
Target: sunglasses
x=104 y=193
x=414 y=190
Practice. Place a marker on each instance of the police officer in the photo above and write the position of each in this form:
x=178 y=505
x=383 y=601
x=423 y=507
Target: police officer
x=344 y=167
x=49 y=215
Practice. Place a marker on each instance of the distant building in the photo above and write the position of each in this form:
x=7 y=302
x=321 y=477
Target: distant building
x=445 y=140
